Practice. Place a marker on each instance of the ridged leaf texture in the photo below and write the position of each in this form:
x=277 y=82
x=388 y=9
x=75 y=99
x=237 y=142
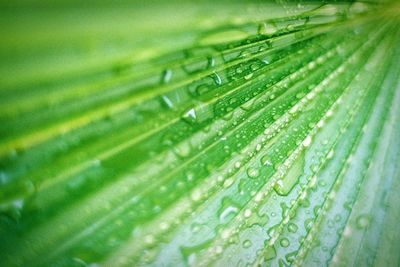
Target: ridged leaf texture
x=200 y=134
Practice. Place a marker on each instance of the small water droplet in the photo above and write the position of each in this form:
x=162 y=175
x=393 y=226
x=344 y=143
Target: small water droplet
x=217 y=79
x=227 y=211
x=247 y=213
x=183 y=149
x=292 y=227
x=149 y=239
x=270 y=253
x=362 y=221
x=196 y=194
x=247 y=243
x=195 y=227
x=330 y=154
x=218 y=250
x=307 y=141
x=167 y=101
x=285 y=242
x=166 y=76
x=248 y=76
x=265 y=160
x=228 y=182
x=253 y=172
x=164 y=226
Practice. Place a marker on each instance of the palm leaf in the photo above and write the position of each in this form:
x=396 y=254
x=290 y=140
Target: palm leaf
x=208 y=134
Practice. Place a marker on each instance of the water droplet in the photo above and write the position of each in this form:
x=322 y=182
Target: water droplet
x=266 y=160
x=248 y=76
x=198 y=114
x=311 y=65
x=228 y=182
x=362 y=221
x=307 y=141
x=196 y=194
x=191 y=113
x=330 y=154
x=217 y=79
x=247 y=213
x=300 y=95
x=195 y=227
x=267 y=28
x=174 y=99
x=218 y=250
x=253 y=172
x=270 y=253
x=308 y=223
x=248 y=104
x=237 y=164
x=292 y=227
x=167 y=101
x=247 y=243
x=347 y=231
x=149 y=239
x=285 y=242
x=166 y=76
x=183 y=149
x=164 y=226
x=227 y=211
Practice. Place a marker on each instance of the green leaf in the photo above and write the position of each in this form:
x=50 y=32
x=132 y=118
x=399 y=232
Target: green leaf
x=200 y=134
